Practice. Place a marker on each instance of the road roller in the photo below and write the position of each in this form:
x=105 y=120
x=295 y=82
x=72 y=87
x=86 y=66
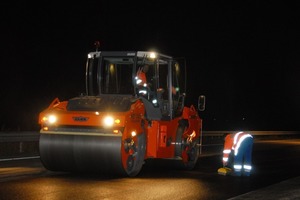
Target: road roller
x=117 y=123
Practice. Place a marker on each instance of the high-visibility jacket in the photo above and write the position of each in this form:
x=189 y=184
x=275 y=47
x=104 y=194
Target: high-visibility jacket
x=141 y=78
x=232 y=144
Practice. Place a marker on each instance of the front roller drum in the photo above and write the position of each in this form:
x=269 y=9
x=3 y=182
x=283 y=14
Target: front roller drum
x=81 y=153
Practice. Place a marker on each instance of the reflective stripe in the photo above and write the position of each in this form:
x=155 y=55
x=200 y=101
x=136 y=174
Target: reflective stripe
x=236 y=137
x=237 y=166
x=226 y=151
x=248 y=167
x=225 y=159
x=138 y=81
x=154 y=101
x=239 y=143
x=142 y=92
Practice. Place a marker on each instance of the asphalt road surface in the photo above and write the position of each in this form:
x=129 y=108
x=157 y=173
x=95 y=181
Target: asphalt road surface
x=274 y=161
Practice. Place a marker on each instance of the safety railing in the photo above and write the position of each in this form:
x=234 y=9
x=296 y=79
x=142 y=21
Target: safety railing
x=26 y=142
x=26 y=136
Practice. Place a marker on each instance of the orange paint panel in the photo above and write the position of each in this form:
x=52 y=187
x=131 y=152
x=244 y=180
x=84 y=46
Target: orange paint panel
x=152 y=140
x=163 y=136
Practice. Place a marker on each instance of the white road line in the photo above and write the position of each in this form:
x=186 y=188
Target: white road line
x=20 y=158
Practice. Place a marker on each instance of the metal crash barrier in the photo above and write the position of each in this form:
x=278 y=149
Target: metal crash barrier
x=25 y=143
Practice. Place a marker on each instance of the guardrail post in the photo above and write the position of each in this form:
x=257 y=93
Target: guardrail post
x=21 y=147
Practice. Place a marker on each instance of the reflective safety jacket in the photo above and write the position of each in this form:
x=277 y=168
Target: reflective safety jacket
x=232 y=144
x=141 y=78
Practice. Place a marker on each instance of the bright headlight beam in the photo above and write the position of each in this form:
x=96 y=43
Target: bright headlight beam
x=152 y=55
x=52 y=119
x=133 y=133
x=108 y=121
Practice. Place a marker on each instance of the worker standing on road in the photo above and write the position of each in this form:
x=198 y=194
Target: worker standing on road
x=237 y=153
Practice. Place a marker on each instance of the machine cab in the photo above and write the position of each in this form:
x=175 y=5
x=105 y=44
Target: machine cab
x=157 y=79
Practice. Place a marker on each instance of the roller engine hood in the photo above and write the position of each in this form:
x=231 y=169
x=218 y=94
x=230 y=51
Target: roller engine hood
x=102 y=103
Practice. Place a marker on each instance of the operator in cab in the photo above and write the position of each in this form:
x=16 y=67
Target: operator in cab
x=141 y=80
x=141 y=75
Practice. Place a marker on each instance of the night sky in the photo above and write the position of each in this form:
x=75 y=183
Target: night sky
x=243 y=56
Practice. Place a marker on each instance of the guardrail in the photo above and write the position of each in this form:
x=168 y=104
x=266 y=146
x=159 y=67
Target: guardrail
x=22 y=136
x=213 y=141
x=254 y=133
x=19 y=144
x=27 y=136
x=25 y=143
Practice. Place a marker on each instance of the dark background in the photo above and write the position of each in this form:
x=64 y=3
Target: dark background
x=242 y=55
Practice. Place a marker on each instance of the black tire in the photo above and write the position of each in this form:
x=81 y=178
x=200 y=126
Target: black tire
x=179 y=141
x=134 y=165
x=193 y=155
x=193 y=149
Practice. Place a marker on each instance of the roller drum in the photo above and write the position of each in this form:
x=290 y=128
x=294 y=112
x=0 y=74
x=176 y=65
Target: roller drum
x=81 y=153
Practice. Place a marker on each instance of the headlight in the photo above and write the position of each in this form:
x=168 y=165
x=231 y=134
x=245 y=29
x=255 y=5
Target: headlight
x=152 y=55
x=108 y=121
x=50 y=119
x=133 y=133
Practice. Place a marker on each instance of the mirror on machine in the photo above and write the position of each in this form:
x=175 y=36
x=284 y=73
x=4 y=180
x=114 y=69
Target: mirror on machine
x=201 y=103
